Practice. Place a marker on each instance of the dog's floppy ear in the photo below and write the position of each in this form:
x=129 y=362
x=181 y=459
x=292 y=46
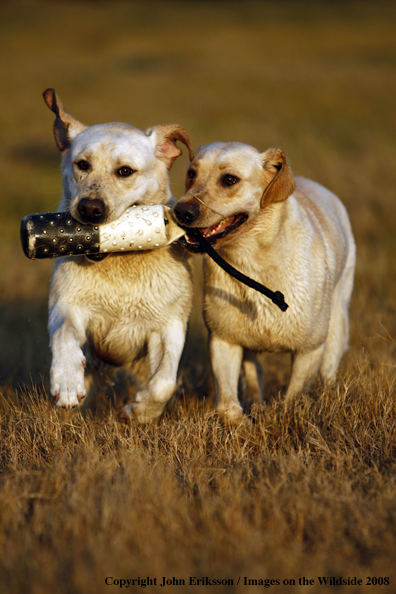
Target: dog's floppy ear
x=282 y=184
x=166 y=137
x=65 y=127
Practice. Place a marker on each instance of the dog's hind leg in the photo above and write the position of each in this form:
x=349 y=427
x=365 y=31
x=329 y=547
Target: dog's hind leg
x=338 y=333
x=251 y=383
x=100 y=379
x=305 y=367
x=226 y=362
x=336 y=342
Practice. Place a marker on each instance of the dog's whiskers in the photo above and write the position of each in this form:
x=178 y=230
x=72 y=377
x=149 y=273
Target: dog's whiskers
x=209 y=207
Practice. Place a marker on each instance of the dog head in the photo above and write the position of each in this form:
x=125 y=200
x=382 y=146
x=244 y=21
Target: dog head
x=108 y=167
x=227 y=186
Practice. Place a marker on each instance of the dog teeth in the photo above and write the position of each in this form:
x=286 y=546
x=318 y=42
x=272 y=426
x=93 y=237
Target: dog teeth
x=216 y=228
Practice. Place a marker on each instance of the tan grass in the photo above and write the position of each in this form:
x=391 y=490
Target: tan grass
x=306 y=491
x=309 y=490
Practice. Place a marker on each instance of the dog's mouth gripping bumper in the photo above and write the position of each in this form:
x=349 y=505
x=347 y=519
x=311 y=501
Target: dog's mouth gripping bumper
x=57 y=234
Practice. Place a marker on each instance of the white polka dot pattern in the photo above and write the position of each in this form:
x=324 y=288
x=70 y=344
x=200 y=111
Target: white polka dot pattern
x=139 y=228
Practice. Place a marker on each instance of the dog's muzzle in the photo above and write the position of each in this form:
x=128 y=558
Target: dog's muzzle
x=91 y=210
x=186 y=212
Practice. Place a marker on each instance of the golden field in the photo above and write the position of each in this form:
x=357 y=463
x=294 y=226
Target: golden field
x=308 y=491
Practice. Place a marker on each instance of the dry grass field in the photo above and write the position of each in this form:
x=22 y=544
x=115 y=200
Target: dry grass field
x=308 y=491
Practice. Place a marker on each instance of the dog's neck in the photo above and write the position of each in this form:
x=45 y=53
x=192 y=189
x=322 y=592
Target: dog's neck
x=260 y=235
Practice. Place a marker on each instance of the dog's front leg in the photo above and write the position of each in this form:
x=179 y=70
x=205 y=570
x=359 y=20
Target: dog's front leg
x=226 y=360
x=164 y=352
x=67 y=333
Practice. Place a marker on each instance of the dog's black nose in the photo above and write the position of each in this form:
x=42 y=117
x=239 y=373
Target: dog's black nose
x=186 y=212
x=91 y=210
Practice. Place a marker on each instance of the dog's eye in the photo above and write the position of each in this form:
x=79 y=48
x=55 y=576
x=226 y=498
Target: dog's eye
x=84 y=165
x=229 y=180
x=125 y=171
x=191 y=174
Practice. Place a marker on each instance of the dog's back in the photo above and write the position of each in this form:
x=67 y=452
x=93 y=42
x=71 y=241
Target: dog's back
x=330 y=217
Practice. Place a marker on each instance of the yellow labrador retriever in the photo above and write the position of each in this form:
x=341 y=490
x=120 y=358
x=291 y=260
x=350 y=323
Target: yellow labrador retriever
x=290 y=234
x=129 y=309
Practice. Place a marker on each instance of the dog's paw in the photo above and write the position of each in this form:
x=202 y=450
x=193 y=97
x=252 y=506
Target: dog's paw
x=230 y=414
x=67 y=382
x=127 y=414
x=143 y=409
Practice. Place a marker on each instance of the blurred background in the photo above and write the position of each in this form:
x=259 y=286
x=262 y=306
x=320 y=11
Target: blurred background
x=314 y=78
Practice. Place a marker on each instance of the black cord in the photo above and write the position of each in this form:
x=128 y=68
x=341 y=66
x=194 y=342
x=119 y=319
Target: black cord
x=277 y=297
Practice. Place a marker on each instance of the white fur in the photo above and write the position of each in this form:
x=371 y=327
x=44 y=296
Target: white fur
x=297 y=239
x=128 y=304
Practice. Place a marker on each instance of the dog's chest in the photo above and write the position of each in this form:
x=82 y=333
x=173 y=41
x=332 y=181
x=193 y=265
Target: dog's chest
x=124 y=296
x=241 y=315
x=240 y=319
x=124 y=300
